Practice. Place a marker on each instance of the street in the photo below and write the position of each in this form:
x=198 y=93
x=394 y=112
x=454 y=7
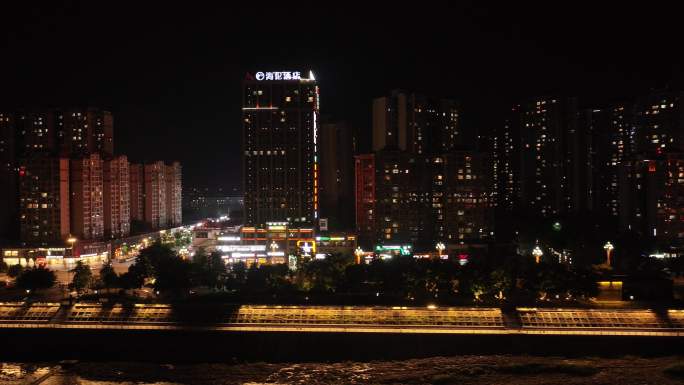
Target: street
x=64 y=274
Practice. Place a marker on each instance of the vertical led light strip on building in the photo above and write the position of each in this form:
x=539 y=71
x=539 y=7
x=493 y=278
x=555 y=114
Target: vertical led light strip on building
x=315 y=137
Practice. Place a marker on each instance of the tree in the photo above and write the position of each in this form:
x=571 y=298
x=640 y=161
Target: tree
x=83 y=277
x=182 y=239
x=205 y=270
x=145 y=264
x=130 y=280
x=217 y=270
x=527 y=278
x=156 y=255
x=108 y=276
x=14 y=271
x=276 y=277
x=158 y=261
x=137 y=274
x=237 y=278
x=392 y=276
x=356 y=278
x=501 y=283
x=208 y=270
x=583 y=283
x=558 y=281
x=256 y=279
x=36 y=278
x=173 y=276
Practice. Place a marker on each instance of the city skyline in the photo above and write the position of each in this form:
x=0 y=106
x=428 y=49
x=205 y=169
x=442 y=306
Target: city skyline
x=167 y=80
x=439 y=169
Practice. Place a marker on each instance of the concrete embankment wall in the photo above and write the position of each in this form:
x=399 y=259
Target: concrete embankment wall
x=221 y=332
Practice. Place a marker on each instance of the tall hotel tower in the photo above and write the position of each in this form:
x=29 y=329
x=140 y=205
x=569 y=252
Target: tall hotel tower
x=280 y=113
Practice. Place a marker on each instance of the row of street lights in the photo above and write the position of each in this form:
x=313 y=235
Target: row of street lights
x=536 y=252
x=608 y=247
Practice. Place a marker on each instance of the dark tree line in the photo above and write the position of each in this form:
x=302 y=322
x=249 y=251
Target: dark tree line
x=159 y=267
x=36 y=278
x=403 y=279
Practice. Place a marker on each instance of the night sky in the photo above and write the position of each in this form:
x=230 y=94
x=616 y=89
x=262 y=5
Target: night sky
x=172 y=74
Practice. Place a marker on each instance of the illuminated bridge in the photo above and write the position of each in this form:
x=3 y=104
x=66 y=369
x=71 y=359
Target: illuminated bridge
x=345 y=319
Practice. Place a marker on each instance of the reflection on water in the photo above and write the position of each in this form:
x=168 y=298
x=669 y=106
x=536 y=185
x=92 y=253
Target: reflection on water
x=12 y=370
x=437 y=370
x=20 y=372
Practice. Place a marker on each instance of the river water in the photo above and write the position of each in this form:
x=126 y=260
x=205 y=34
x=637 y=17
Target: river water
x=492 y=369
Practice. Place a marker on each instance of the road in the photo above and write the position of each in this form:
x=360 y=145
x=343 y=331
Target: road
x=64 y=274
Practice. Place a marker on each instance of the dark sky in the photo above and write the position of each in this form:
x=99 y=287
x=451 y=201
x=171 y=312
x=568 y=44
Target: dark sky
x=172 y=73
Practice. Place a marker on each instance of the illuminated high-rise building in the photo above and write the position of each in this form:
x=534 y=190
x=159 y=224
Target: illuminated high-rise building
x=652 y=196
x=39 y=143
x=280 y=114
x=84 y=131
x=418 y=124
x=137 y=192
x=60 y=178
x=9 y=193
x=155 y=195
x=424 y=182
x=70 y=132
x=44 y=203
x=540 y=165
x=651 y=180
x=87 y=194
x=670 y=207
x=35 y=133
x=364 y=196
x=116 y=200
x=659 y=122
x=544 y=127
x=462 y=197
x=612 y=143
x=403 y=208
x=173 y=194
x=405 y=198
x=505 y=148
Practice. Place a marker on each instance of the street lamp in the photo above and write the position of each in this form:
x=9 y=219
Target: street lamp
x=537 y=252
x=608 y=247
x=72 y=241
x=358 y=253
x=440 y=248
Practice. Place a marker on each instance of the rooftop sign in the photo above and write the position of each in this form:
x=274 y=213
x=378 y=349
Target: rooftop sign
x=278 y=76
x=282 y=75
